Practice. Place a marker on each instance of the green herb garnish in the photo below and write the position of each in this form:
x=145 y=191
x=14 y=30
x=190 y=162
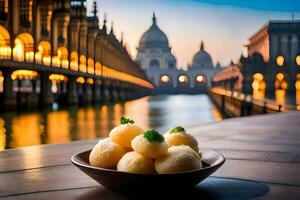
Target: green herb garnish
x=153 y=136
x=176 y=129
x=126 y=121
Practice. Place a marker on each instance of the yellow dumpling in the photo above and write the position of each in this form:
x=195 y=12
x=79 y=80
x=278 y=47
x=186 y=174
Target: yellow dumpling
x=178 y=159
x=106 y=154
x=134 y=162
x=181 y=138
x=151 y=144
x=124 y=134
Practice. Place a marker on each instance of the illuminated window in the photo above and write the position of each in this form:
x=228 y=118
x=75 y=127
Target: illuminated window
x=5 y=49
x=25 y=12
x=183 y=79
x=3 y=9
x=200 y=79
x=165 y=79
x=258 y=86
x=280 y=60
x=298 y=60
x=80 y=80
x=24 y=74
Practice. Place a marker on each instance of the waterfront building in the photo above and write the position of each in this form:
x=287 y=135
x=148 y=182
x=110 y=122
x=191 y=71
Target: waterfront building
x=272 y=67
x=155 y=57
x=51 y=51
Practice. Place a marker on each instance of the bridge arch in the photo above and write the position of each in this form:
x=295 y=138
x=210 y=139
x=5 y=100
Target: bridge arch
x=258 y=86
x=23 y=47
x=183 y=79
x=57 y=82
x=5 y=49
x=200 y=79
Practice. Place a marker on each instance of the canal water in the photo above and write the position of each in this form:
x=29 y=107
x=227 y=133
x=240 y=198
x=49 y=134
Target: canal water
x=84 y=123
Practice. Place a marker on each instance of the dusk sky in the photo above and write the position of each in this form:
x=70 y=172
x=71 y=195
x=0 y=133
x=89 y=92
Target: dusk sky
x=224 y=26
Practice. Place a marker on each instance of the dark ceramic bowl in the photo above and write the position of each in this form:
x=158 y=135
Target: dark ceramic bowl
x=129 y=182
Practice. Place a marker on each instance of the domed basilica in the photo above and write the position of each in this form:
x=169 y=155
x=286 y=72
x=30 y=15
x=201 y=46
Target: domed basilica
x=156 y=59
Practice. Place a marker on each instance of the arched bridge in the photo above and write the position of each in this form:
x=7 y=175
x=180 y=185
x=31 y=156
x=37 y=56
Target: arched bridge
x=63 y=57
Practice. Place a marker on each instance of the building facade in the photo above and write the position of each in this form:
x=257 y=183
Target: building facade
x=40 y=38
x=155 y=57
x=272 y=67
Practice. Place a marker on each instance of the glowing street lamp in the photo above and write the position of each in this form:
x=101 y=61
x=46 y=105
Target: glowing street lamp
x=280 y=60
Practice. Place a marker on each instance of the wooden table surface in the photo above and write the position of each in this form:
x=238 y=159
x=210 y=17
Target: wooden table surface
x=262 y=162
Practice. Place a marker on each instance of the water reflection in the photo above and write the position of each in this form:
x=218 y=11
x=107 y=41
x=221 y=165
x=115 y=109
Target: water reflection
x=62 y=126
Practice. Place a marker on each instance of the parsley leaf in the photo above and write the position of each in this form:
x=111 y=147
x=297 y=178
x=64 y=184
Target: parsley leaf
x=176 y=129
x=126 y=121
x=153 y=136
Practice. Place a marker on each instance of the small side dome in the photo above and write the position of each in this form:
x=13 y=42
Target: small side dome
x=202 y=59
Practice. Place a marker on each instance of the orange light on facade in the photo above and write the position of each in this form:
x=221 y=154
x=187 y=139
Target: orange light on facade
x=1 y=82
x=65 y=63
x=165 y=79
x=298 y=60
x=55 y=61
x=98 y=69
x=74 y=61
x=280 y=60
x=200 y=79
x=5 y=49
x=82 y=65
x=90 y=66
x=5 y=52
x=80 y=80
x=57 y=77
x=183 y=79
x=280 y=76
x=24 y=74
x=18 y=50
x=90 y=81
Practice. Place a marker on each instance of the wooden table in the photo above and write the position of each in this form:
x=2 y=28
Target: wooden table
x=262 y=161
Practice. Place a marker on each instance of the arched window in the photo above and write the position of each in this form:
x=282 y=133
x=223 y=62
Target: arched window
x=82 y=63
x=5 y=49
x=74 y=61
x=154 y=64
x=258 y=86
x=90 y=66
x=280 y=88
x=23 y=47
x=43 y=54
x=183 y=79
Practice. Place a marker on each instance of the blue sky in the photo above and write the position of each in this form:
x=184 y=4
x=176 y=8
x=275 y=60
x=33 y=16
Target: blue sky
x=224 y=26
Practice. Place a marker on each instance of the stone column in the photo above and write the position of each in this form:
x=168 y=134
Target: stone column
x=72 y=96
x=46 y=96
x=9 y=96
x=96 y=92
x=87 y=93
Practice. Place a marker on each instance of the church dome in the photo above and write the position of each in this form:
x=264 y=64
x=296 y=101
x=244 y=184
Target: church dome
x=154 y=37
x=202 y=59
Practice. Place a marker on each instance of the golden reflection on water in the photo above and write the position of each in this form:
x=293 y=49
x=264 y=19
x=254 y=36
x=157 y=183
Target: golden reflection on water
x=71 y=124
x=26 y=130
x=2 y=135
x=216 y=114
x=58 y=127
x=139 y=111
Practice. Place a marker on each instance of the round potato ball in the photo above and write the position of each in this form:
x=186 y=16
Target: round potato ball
x=134 y=162
x=106 y=154
x=178 y=159
x=124 y=134
x=181 y=138
x=151 y=149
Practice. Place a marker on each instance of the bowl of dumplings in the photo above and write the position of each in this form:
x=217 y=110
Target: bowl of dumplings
x=132 y=160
